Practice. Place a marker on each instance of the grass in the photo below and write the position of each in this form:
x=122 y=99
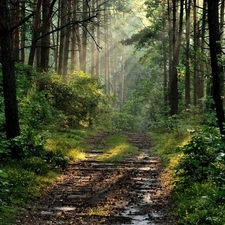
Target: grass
x=23 y=187
x=70 y=142
x=194 y=203
x=28 y=177
x=165 y=145
x=95 y=211
x=115 y=148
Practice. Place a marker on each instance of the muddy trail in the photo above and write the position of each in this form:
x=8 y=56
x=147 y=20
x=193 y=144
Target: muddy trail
x=90 y=192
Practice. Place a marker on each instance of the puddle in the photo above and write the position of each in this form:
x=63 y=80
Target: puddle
x=136 y=216
x=65 y=208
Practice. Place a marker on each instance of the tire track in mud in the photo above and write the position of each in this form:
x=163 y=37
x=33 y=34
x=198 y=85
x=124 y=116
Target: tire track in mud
x=89 y=192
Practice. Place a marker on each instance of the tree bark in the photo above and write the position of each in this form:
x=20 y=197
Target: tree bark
x=45 y=41
x=187 y=55
x=15 y=17
x=67 y=42
x=9 y=80
x=74 y=42
x=36 y=33
x=177 y=37
x=84 y=37
x=215 y=53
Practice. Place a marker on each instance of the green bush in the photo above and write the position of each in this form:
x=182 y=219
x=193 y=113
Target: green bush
x=36 y=164
x=31 y=142
x=122 y=121
x=22 y=185
x=200 y=204
x=200 y=154
x=25 y=77
x=200 y=188
x=78 y=97
x=56 y=159
x=36 y=110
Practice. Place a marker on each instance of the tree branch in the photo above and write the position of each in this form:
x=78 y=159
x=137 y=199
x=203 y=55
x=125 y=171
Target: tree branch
x=68 y=24
x=21 y=22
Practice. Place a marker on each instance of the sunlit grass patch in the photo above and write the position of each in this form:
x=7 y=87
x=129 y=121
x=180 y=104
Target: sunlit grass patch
x=95 y=211
x=23 y=186
x=116 y=148
x=75 y=154
x=165 y=144
x=70 y=142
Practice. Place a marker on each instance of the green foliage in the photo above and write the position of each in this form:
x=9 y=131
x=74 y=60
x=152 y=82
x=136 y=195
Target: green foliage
x=78 y=97
x=25 y=78
x=36 y=110
x=200 y=204
x=43 y=159
x=122 y=121
x=31 y=142
x=188 y=119
x=36 y=165
x=200 y=187
x=201 y=155
x=3 y=186
x=22 y=185
x=56 y=159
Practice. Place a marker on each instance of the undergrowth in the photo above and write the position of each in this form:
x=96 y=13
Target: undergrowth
x=23 y=181
x=196 y=162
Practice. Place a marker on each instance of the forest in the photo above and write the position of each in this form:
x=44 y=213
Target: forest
x=72 y=68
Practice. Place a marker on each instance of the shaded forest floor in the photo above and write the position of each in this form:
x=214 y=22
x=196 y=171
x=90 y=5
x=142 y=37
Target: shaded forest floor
x=134 y=191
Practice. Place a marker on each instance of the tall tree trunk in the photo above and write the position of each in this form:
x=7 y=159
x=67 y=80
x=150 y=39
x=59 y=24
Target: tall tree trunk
x=35 y=33
x=177 y=37
x=222 y=8
x=170 y=51
x=74 y=43
x=196 y=50
x=9 y=80
x=23 y=34
x=93 y=63
x=67 y=39
x=165 y=71
x=98 y=59
x=15 y=17
x=215 y=53
x=107 y=78
x=187 y=54
x=84 y=37
x=57 y=38
x=45 y=41
x=63 y=19
x=200 y=92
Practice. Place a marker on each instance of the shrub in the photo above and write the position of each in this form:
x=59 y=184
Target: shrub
x=31 y=142
x=78 y=97
x=36 y=110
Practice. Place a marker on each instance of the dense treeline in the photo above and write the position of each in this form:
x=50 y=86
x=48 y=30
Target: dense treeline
x=189 y=37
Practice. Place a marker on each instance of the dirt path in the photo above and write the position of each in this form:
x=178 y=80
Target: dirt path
x=90 y=192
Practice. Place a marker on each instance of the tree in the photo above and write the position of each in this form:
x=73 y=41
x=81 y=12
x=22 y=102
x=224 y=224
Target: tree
x=177 y=30
x=9 y=80
x=215 y=55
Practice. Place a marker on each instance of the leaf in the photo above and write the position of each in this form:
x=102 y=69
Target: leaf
x=3 y=174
